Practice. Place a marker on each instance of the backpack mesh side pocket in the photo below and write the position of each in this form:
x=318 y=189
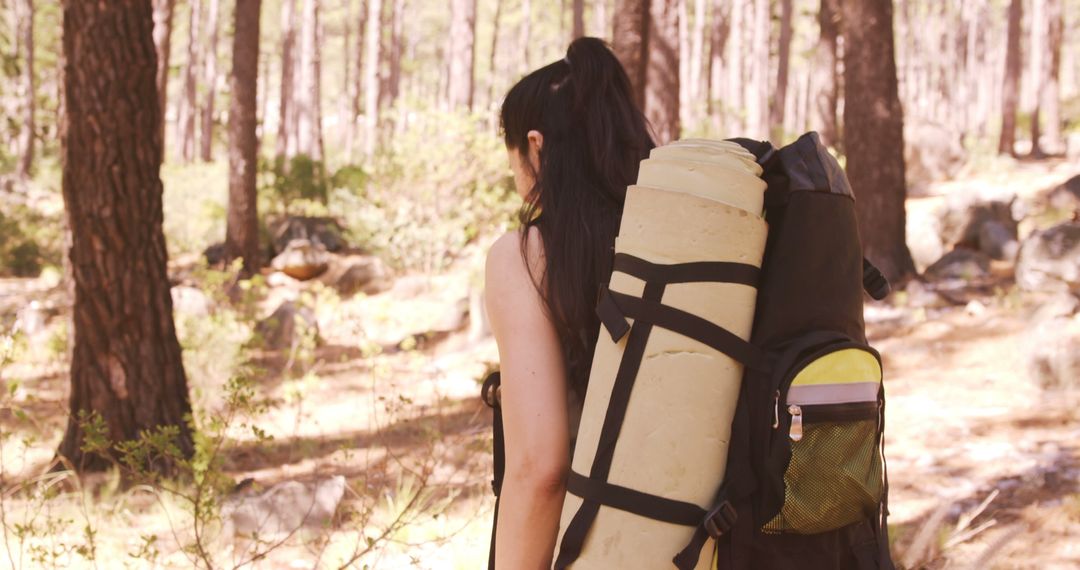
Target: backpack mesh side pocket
x=834 y=476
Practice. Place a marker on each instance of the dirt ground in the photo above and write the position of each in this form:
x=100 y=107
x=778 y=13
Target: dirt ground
x=984 y=467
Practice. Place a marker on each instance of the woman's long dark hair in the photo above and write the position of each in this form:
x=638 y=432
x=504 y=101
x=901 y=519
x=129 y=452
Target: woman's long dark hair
x=594 y=138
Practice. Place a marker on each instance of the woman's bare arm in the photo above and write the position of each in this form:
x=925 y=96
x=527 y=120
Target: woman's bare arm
x=534 y=408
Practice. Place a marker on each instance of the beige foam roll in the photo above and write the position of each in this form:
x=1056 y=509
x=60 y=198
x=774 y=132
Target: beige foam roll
x=674 y=438
x=705 y=150
x=722 y=181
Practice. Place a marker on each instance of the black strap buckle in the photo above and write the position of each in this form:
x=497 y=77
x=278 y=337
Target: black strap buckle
x=720 y=520
x=490 y=392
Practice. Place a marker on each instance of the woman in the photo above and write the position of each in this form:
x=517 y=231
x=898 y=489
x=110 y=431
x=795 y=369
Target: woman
x=574 y=138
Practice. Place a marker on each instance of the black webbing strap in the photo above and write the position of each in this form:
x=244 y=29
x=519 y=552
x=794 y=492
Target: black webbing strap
x=693 y=272
x=691 y=326
x=489 y=393
x=647 y=311
x=574 y=538
x=636 y=502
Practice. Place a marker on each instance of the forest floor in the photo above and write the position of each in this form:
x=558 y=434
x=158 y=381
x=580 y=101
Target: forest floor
x=984 y=466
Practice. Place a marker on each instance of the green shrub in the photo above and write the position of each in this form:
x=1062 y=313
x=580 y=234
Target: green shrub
x=439 y=182
x=29 y=240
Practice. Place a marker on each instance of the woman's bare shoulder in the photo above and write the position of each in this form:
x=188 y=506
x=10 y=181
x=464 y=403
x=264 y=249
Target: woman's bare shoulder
x=505 y=263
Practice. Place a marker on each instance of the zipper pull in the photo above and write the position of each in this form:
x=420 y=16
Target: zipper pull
x=776 y=410
x=796 y=422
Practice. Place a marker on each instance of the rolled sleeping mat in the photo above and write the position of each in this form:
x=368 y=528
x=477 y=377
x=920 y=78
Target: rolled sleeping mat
x=652 y=442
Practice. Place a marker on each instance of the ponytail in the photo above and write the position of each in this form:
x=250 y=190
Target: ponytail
x=594 y=138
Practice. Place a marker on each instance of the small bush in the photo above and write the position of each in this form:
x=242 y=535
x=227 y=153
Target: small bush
x=29 y=240
x=439 y=182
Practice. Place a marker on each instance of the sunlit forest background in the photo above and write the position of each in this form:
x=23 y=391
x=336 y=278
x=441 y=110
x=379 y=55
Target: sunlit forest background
x=242 y=247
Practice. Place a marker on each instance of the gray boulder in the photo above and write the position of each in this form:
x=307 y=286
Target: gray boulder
x=1049 y=260
x=998 y=240
x=964 y=264
x=1067 y=196
x=301 y=260
x=1054 y=344
x=190 y=301
x=282 y=328
x=965 y=215
x=283 y=508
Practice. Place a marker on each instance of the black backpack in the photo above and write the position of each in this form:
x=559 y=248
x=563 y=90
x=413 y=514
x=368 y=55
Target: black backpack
x=805 y=485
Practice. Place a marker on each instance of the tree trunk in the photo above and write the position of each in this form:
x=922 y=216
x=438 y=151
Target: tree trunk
x=210 y=79
x=26 y=129
x=525 y=47
x=126 y=365
x=757 y=103
x=308 y=108
x=662 y=70
x=462 y=53
x=371 y=74
x=697 y=51
x=603 y=25
x=579 y=19
x=735 y=99
x=1011 y=85
x=358 y=82
x=630 y=42
x=718 y=35
x=494 y=51
x=874 y=134
x=163 y=22
x=824 y=96
x=1051 y=92
x=397 y=32
x=287 y=106
x=779 y=102
x=188 y=105
x=242 y=225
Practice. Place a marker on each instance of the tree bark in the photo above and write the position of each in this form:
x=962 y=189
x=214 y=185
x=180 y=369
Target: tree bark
x=630 y=42
x=494 y=50
x=358 y=81
x=1010 y=90
x=525 y=47
x=188 y=105
x=757 y=103
x=210 y=79
x=579 y=19
x=1051 y=92
x=397 y=33
x=126 y=365
x=373 y=37
x=825 y=92
x=718 y=36
x=697 y=51
x=163 y=23
x=242 y=225
x=308 y=104
x=287 y=107
x=779 y=102
x=662 y=71
x=874 y=134
x=462 y=53
x=603 y=25
x=27 y=128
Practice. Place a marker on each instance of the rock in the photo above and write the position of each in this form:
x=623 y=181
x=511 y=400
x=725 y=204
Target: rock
x=301 y=260
x=190 y=301
x=349 y=275
x=283 y=508
x=1049 y=260
x=214 y=254
x=31 y=319
x=1067 y=196
x=965 y=264
x=1054 y=345
x=966 y=213
x=326 y=232
x=281 y=329
x=924 y=236
x=998 y=240
x=932 y=152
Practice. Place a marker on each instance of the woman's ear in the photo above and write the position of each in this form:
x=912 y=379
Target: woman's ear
x=536 y=144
